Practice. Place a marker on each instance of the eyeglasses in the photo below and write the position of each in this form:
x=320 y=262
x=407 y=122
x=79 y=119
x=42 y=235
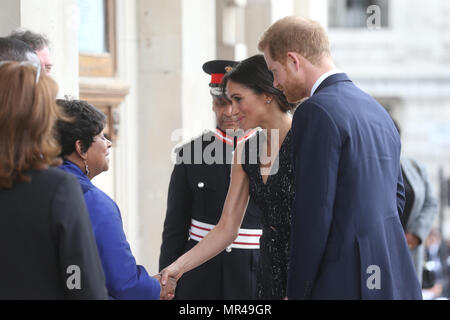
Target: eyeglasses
x=36 y=65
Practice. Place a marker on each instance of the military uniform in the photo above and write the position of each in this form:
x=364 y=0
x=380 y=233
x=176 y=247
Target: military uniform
x=196 y=196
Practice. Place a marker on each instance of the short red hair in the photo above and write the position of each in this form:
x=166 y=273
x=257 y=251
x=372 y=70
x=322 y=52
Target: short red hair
x=295 y=34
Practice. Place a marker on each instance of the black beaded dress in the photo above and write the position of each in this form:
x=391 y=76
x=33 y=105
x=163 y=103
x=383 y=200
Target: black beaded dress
x=274 y=198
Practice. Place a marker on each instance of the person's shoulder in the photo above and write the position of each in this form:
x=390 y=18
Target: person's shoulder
x=98 y=194
x=251 y=136
x=247 y=150
x=322 y=99
x=55 y=185
x=200 y=137
x=182 y=147
x=96 y=198
x=52 y=176
x=315 y=116
x=314 y=105
x=417 y=165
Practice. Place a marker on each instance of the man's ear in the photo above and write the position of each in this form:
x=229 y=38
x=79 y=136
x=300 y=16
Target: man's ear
x=78 y=149
x=294 y=60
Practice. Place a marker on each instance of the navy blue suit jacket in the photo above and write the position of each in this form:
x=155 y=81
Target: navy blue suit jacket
x=347 y=241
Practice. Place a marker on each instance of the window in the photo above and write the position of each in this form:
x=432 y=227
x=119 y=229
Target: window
x=97 y=59
x=97 y=38
x=353 y=13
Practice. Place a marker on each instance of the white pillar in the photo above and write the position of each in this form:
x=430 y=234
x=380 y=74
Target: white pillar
x=258 y=18
x=127 y=147
x=260 y=14
x=231 y=29
x=9 y=16
x=175 y=39
x=280 y=9
x=312 y=9
x=198 y=46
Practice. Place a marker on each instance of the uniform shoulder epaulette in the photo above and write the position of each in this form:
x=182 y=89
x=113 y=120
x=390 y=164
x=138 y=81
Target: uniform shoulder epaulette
x=187 y=144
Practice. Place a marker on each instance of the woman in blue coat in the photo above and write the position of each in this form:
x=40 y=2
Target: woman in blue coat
x=85 y=151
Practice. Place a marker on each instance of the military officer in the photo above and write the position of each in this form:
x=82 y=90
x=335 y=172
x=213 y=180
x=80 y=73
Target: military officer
x=197 y=192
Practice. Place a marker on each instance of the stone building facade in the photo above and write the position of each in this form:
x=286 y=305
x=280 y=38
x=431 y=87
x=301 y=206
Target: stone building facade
x=155 y=84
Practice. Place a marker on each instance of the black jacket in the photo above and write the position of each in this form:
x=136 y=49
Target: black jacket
x=198 y=191
x=45 y=235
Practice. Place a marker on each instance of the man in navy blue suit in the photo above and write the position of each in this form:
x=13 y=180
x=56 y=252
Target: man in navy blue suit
x=346 y=240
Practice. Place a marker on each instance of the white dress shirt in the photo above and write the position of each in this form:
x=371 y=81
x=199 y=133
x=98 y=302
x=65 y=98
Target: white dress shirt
x=322 y=78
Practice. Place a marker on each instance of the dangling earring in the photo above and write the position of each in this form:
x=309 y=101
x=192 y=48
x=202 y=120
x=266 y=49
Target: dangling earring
x=87 y=168
x=268 y=101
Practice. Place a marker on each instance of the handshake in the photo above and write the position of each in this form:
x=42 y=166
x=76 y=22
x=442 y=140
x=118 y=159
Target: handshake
x=168 y=281
x=167 y=289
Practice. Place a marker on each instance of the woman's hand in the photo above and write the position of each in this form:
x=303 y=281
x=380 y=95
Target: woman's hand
x=219 y=237
x=169 y=277
x=168 y=290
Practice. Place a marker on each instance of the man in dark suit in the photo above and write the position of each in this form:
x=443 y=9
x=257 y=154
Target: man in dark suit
x=197 y=192
x=346 y=240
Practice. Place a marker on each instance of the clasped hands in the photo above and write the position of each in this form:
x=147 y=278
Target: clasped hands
x=167 y=289
x=168 y=281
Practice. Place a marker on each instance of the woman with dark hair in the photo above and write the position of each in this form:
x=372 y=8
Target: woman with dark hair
x=262 y=170
x=46 y=242
x=85 y=151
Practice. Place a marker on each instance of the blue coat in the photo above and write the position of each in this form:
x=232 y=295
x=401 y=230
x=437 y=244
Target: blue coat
x=124 y=279
x=347 y=241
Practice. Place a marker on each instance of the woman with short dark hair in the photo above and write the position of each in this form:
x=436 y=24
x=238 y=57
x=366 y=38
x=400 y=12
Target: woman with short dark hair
x=79 y=137
x=46 y=242
x=85 y=151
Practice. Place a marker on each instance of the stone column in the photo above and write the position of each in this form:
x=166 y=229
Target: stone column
x=258 y=19
x=175 y=38
x=280 y=9
x=260 y=14
x=312 y=9
x=127 y=147
x=10 y=16
x=231 y=29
